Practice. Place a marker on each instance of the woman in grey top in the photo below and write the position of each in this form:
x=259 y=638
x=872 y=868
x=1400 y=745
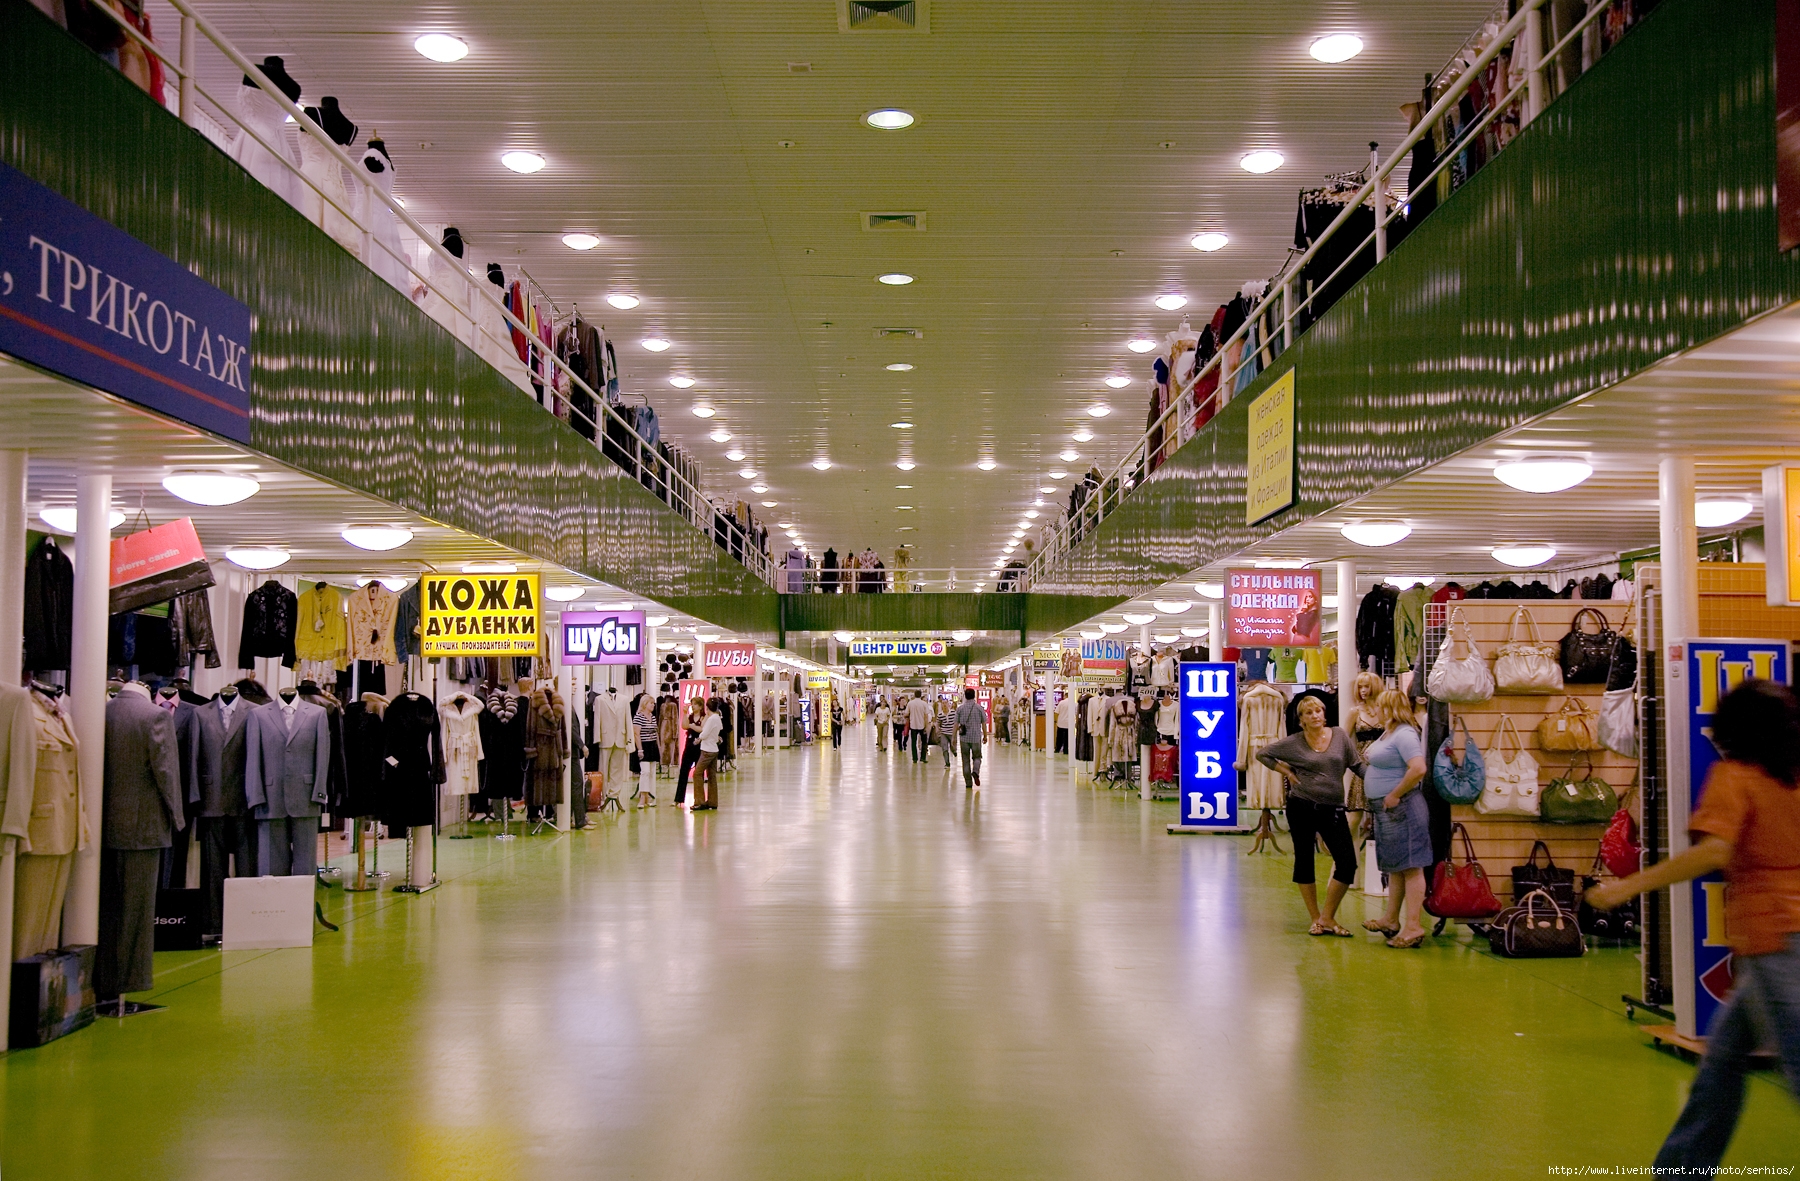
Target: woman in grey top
x=1314 y=762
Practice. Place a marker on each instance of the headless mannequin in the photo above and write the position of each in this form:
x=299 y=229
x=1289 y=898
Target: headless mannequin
x=263 y=115
x=384 y=227
x=332 y=211
x=47 y=854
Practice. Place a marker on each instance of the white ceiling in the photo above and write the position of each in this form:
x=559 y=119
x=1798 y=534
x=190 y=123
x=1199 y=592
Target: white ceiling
x=1065 y=153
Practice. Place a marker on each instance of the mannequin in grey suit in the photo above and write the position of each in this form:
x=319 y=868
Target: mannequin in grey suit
x=141 y=808
x=223 y=814
x=287 y=762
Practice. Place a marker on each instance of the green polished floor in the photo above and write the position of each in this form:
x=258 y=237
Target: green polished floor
x=855 y=970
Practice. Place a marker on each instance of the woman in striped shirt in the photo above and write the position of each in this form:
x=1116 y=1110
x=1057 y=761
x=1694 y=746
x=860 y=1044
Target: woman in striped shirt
x=643 y=736
x=946 y=728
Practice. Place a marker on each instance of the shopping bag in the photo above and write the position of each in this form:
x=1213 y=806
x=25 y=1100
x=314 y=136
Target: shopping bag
x=52 y=995
x=268 y=912
x=156 y=564
x=180 y=919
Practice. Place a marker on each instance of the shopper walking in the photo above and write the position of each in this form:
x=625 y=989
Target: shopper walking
x=972 y=729
x=1313 y=762
x=706 y=770
x=946 y=732
x=918 y=718
x=1065 y=719
x=884 y=718
x=1394 y=785
x=837 y=723
x=900 y=723
x=690 y=753
x=644 y=745
x=1748 y=825
x=1003 y=719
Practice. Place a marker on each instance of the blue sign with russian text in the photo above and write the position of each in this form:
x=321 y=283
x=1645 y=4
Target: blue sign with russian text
x=1209 y=745
x=82 y=298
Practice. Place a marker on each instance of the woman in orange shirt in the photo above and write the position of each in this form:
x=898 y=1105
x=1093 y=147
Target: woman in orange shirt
x=1747 y=824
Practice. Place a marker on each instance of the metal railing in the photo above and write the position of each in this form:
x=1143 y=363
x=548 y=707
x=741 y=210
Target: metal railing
x=461 y=309
x=1271 y=324
x=894 y=580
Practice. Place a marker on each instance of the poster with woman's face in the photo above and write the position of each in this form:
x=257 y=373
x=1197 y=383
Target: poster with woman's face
x=1273 y=608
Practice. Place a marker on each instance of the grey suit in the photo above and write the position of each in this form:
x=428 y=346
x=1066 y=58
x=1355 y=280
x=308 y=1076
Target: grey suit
x=285 y=782
x=225 y=831
x=141 y=806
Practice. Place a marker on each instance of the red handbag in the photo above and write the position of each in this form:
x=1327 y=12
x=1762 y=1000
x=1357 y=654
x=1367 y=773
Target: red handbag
x=1619 y=847
x=1461 y=891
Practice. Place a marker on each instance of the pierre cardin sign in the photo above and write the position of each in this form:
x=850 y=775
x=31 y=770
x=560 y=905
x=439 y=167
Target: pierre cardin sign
x=479 y=615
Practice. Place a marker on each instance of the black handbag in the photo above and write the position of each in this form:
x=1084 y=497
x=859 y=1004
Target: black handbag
x=1622 y=672
x=1587 y=657
x=1621 y=924
x=1558 y=883
x=1538 y=927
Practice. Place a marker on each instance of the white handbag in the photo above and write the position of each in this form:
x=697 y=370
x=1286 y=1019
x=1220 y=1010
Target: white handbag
x=1527 y=666
x=1618 y=722
x=1464 y=678
x=1511 y=787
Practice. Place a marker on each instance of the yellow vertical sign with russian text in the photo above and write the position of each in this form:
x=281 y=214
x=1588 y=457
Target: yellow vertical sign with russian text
x=1269 y=481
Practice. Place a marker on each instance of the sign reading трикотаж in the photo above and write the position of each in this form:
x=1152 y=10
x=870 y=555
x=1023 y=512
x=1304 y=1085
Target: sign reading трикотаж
x=479 y=615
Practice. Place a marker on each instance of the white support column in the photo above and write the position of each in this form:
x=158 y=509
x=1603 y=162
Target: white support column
x=1346 y=636
x=87 y=694
x=1144 y=751
x=565 y=685
x=12 y=640
x=1215 y=630
x=1680 y=548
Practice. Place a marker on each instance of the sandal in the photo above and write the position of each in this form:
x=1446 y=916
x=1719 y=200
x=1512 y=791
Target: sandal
x=1378 y=927
x=1340 y=932
x=1405 y=944
x=1318 y=928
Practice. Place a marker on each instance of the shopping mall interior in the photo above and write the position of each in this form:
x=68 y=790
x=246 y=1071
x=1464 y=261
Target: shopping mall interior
x=899 y=589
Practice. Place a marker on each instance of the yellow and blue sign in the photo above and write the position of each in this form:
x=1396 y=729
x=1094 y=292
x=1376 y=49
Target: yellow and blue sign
x=1208 y=745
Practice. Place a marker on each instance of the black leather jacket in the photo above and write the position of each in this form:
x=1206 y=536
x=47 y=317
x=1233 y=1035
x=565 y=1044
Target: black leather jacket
x=270 y=614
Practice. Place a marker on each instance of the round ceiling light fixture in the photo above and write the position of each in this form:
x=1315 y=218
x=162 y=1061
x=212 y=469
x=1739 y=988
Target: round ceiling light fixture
x=564 y=594
x=1137 y=619
x=1069 y=456
x=899 y=367
x=257 y=557
x=894 y=278
x=61 y=517
x=682 y=382
x=1210 y=242
x=211 y=488
x=1112 y=629
x=1715 y=514
x=377 y=537
x=1280 y=563
x=987 y=465
x=656 y=620
x=721 y=436
x=490 y=568
x=748 y=473
x=735 y=455
x=1091 y=633
x=843 y=637
x=1165 y=637
x=1339 y=47
x=1193 y=633
x=759 y=489
x=889 y=119
x=442 y=47
x=702 y=410
x=1543 y=475
x=1118 y=381
x=1408 y=581
x=623 y=302
x=1260 y=162
x=1210 y=590
x=1375 y=534
x=580 y=241
x=1140 y=344
x=1523 y=556
x=822 y=464
x=1031 y=513
x=770 y=503
x=1172 y=606
x=1099 y=410
x=656 y=344
x=1058 y=476
x=902 y=425
x=906 y=465
x=1081 y=435
x=1171 y=302
x=962 y=636
x=523 y=162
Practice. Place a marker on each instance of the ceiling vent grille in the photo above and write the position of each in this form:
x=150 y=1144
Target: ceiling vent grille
x=914 y=333
x=913 y=222
x=884 y=16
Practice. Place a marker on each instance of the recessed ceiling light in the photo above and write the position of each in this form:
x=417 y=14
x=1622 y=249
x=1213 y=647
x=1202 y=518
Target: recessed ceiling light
x=1339 y=47
x=894 y=279
x=1058 y=475
x=61 y=517
x=1523 y=556
x=1069 y=456
x=759 y=489
x=1140 y=344
x=377 y=537
x=1171 y=302
x=525 y=162
x=903 y=487
x=1262 y=161
x=564 y=594
x=1172 y=606
x=735 y=455
x=681 y=382
x=256 y=557
x=906 y=465
x=490 y=568
x=581 y=242
x=987 y=465
x=656 y=344
x=1280 y=563
x=1376 y=534
x=442 y=47
x=1118 y=381
x=899 y=367
x=822 y=463
x=1137 y=619
x=1099 y=410
x=212 y=488
x=702 y=410
x=1542 y=475
x=901 y=425
x=1714 y=514
x=1210 y=242
x=889 y=119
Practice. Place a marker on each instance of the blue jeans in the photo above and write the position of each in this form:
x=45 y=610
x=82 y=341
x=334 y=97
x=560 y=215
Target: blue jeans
x=1764 y=1008
x=971 y=760
x=918 y=746
x=948 y=742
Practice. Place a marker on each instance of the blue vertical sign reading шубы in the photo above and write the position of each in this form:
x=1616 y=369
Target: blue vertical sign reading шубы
x=1209 y=745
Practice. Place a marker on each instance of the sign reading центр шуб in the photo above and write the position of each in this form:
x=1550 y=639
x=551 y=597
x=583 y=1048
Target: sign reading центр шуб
x=602 y=637
x=898 y=648
x=81 y=297
x=1208 y=745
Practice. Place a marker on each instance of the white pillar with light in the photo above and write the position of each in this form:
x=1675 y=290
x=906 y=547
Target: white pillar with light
x=87 y=693
x=1346 y=639
x=1680 y=557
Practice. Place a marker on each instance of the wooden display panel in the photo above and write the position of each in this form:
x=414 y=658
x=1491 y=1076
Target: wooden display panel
x=1502 y=842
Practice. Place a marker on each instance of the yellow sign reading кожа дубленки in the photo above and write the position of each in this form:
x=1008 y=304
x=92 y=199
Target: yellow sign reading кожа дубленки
x=1269 y=480
x=479 y=615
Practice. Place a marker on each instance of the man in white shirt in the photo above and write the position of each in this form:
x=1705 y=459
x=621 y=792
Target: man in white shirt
x=883 y=718
x=706 y=770
x=918 y=721
x=972 y=728
x=1065 y=719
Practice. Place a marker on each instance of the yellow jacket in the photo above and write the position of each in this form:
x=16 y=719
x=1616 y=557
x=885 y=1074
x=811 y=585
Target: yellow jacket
x=319 y=632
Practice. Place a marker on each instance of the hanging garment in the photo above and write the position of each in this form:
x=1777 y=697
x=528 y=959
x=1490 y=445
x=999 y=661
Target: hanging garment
x=191 y=629
x=503 y=746
x=1409 y=626
x=49 y=606
x=372 y=610
x=365 y=754
x=1375 y=627
x=461 y=740
x=319 y=633
x=324 y=199
x=446 y=298
x=270 y=614
x=414 y=761
x=1260 y=722
x=287 y=760
x=52 y=823
x=546 y=748
x=387 y=257
x=265 y=155
x=494 y=340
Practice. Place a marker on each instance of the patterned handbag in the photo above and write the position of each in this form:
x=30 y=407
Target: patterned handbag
x=1529 y=665
x=1536 y=927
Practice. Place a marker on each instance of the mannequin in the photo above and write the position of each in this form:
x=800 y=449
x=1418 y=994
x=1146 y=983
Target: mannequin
x=447 y=299
x=384 y=228
x=612 y=733
x=413 y=769
x=287 y=769
x=335 y=209
x=51 y=818
x=140 y=807
x=222 y=824
x=461 y=719
x=1163 y=669
x=272 y=165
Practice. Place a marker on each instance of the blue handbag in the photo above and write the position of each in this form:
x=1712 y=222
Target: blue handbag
x=1459 y=783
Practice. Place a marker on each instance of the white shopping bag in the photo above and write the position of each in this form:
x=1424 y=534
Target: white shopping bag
x=268 y=912
x=1375 y=883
